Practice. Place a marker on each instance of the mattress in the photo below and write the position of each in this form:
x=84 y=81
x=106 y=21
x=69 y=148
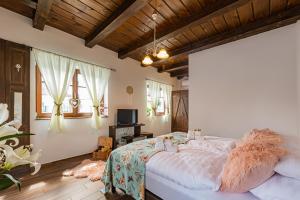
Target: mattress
x=169 y=190
x=197 y=165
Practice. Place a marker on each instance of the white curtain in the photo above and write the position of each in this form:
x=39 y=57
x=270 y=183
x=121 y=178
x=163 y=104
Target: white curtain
x=154 y=92
x=167 y=92
x=96 y=79
x=57 y=73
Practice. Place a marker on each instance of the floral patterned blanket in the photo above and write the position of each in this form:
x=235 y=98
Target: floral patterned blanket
x=126 y=166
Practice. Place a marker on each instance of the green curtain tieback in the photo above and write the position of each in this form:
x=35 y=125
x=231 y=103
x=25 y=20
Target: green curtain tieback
x=58 y=110
x=97 y=109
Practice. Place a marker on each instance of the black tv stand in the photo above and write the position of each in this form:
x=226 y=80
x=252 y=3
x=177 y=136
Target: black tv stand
x=137 y=131
x=128 y=125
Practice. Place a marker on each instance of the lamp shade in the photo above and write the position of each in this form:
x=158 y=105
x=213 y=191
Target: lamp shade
x=162 y=54
x=147 y=60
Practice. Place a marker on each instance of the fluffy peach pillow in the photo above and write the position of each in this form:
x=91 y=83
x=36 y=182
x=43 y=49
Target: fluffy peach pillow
x=252 y=162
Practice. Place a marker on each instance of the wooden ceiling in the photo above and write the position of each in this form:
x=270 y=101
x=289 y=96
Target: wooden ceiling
x=183 y=26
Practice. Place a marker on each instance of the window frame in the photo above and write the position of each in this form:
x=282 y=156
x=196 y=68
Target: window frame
x=164 y=102
x=155 y=112
x=75 y=114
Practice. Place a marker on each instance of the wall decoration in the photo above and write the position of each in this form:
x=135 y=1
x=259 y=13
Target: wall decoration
x=129 y=91
x=74 y=102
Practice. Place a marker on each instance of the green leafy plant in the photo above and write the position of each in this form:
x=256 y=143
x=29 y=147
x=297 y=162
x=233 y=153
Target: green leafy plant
x=11 y=155
x=7 y=180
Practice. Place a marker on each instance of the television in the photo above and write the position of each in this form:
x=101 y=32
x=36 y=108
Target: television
x=127 y=116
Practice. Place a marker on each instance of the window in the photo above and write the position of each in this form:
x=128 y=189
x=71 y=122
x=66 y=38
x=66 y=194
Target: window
x=77 y=103
x=160 y=107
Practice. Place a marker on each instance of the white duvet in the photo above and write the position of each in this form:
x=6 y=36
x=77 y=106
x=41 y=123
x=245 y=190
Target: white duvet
x=197 y=165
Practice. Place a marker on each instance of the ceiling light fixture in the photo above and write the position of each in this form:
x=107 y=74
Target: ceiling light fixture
x=162 y=53
x=147 y=60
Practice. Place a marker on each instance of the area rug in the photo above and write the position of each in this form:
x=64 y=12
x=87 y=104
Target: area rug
x=88 y=168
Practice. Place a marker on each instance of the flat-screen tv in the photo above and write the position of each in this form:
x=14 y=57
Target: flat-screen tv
x=127 y=116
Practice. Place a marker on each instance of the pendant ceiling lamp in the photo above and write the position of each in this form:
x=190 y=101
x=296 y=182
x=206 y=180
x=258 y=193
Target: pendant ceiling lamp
x=155 y=51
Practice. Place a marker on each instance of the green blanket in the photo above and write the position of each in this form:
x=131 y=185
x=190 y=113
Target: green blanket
x=126 y=166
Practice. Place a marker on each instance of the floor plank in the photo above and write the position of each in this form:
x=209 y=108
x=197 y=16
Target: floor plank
x=49 y=184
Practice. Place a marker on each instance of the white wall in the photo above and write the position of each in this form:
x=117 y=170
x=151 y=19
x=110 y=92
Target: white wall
x=78 y=137
x=298 y=70
x=250 y=83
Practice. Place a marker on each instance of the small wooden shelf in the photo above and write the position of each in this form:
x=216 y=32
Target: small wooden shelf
x=137 y=132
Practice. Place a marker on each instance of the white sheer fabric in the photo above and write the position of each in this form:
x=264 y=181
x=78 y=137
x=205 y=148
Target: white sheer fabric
x=96 y=79
x=155 y=93
x=167 y=92
x=57 y=74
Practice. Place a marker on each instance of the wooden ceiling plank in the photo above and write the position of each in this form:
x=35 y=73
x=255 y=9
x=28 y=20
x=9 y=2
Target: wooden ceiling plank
x=277 y=5
x=209 y=28
x=97 y=7
x=232 y=19
x=28 y=3
x=18 y=7
x=193 y=6
x=128 y=9
x=76 y=11
x=209 y=12
x=245 y=13
x=66 y=25
x=175 y=42
x=66 y=14
x=110 y=5
x=219 y=23
x=182 y=39
x=199 y=32
x=174 y=67
x=190 y=35
x=85 y=9
x=167 y=44
x=261 y=8
x=165 y=11
x=274 y=21
x=148 y=11
x=202 y=3
x=42 y=13
x=292 y=3
x=178 y=8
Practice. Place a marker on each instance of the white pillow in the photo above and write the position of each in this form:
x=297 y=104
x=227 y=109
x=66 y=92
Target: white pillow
x=289 y=165
x=278 y=188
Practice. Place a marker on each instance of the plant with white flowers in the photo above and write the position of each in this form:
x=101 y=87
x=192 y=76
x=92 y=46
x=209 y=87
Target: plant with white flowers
x=10 y=156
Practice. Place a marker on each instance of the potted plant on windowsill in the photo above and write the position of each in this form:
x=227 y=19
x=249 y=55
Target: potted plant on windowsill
x=10 y=158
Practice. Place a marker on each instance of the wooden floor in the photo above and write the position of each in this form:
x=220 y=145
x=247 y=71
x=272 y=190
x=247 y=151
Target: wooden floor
x=49 y=184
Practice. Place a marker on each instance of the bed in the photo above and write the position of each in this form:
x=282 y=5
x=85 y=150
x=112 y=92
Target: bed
x=158 y=188
x=176 y=176
x=191 y=174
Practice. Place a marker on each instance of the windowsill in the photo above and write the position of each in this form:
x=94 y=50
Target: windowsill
x=83 y=117
x=159 y=114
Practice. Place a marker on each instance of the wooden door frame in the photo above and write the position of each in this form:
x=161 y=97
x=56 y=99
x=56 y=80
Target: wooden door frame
x=186 y=111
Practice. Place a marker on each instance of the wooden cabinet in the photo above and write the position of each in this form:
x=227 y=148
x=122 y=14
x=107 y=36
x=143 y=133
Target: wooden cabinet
x=2 y=72
x=15 y=82
x=180 y=110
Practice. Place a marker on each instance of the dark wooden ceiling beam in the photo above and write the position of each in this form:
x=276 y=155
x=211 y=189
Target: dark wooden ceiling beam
x=182 y=72
x=42 y=13
x=128 y=9
x=181 y=77
x=278 y=20
x=174 y=67
x=28 y=3
x=210 y=11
